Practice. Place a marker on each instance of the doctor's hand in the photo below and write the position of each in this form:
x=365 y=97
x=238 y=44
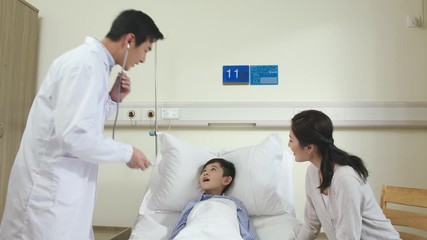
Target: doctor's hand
x=122 y=82
x=138 y=160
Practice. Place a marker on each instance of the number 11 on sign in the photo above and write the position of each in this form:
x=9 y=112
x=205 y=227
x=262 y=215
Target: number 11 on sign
x=235 y=74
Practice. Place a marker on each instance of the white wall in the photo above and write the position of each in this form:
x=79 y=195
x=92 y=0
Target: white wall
x=331 y=50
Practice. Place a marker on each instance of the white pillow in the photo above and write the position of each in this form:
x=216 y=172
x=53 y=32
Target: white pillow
x=174 y=182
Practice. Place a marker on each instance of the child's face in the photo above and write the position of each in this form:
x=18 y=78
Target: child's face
x=212 y=181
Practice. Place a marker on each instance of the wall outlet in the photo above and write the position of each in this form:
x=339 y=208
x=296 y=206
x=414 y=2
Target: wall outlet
x=170 y=113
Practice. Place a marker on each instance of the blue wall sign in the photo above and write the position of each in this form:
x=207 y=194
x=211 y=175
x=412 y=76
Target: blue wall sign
x=232 y=75
x=264 y=74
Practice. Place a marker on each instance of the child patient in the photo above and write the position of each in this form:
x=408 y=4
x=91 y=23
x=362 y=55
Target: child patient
x=214 y=215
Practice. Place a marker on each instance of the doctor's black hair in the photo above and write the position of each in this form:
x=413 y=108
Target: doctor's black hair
x=315 y=127
x=227 y=167
x=136 y=22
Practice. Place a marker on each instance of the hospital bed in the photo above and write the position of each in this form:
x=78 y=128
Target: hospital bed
x=263 y=183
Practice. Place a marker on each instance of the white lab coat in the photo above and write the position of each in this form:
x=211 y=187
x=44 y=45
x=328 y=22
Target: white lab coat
x=52 y=185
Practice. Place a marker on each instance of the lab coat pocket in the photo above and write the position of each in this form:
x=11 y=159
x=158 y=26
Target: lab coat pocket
x=76 y=178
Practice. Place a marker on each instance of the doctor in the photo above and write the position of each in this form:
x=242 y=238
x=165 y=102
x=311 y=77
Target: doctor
x=52 y=185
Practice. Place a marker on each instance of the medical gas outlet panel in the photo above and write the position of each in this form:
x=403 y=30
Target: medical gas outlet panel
x=133 y=115
x=269 y=114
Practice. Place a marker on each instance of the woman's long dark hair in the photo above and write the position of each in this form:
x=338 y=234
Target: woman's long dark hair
x=315 y=127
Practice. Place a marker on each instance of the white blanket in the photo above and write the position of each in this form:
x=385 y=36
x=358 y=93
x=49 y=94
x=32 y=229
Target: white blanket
x=212 y=219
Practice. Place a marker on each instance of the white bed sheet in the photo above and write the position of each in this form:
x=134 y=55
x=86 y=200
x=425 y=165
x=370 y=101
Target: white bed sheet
x=158 y=225
x=151 y=225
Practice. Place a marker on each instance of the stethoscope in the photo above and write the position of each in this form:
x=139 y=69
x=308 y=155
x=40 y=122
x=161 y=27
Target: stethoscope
x=151 y=132
x=120 y=87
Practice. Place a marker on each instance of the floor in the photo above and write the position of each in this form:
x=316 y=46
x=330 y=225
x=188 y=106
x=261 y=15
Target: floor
x=321 y=236
x=111 y=233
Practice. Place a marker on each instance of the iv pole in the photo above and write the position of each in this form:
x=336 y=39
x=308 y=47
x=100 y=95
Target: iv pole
x=154 y=132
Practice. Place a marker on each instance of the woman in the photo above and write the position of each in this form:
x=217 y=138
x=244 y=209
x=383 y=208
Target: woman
x=339 y=199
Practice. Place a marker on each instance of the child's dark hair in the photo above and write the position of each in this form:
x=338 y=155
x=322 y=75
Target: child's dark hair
x=227 y=167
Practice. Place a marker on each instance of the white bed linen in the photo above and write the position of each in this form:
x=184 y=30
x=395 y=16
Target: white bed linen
x=212 y=219
x=158 y=225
